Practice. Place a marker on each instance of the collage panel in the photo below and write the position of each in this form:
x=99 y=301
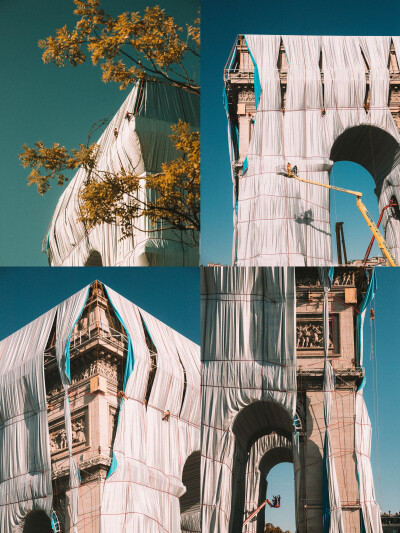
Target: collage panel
x=100 y=400
x=103 y=120
x=306 y=140
x=251 y=386
x=297 y=361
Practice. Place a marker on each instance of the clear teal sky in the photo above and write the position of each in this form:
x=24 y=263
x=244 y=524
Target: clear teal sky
x=221 y=23
x=169 y=294
x=43 y=102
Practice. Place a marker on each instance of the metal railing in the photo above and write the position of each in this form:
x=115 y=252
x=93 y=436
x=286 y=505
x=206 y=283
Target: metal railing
x=96 y=330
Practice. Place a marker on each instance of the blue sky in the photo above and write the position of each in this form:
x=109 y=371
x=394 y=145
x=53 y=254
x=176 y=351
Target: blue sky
x=43 y=102
x=384 y=368
x=169 y=294
x=221 y=23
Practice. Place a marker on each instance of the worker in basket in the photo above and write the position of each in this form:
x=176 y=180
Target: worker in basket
x=276 y=501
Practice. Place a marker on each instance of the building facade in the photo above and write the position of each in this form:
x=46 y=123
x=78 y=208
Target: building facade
x=308 y=101
x=267 y=332
x=101 y=417
x=390 y=522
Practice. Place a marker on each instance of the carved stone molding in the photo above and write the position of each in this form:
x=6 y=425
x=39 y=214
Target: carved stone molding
x=80 y=432
x=100 y=367
x=340 y=279
x=309 y=333
x=112 y=425
x=246 y=96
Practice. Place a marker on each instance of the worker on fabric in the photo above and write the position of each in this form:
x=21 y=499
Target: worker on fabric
x=115 y=132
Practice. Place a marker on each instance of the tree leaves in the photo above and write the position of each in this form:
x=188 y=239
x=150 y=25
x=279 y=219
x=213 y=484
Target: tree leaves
x=176 y=199
x=114 y=197
x=130 y=47
x=49 y=163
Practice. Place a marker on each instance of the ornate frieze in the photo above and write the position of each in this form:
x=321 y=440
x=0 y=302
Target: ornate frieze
x=310 y=335
x=340 y=279
x=310 y=279
x=246 y=96
x=58 y=436
x=101 y=367
x=347 y=277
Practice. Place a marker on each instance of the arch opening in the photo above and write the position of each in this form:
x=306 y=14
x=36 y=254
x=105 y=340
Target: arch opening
x=261 y=426
x=37 y=522
x=371 y=147
x=260 y=418
x=94 y=259
x=265 y=454
x=343 y=209
x=280 y=482
x=378 y=153
x=190 y=501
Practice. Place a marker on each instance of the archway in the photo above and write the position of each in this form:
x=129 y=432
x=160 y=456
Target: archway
x=94 y=260
x=266 y=453
x=371 y=147
x=37 y=522
x=265 y=425
x=279 y=481
x=378 y=152
x=190 y=501
x=343 y=210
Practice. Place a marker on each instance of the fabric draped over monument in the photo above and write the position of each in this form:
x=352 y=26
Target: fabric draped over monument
x=68 y=314
x=331 y=505
x=248 y=340
x=25 y=470
x=145 y=480
x=143 y=124
x=332 y=511
x=371 y=514
x=144 y=484
x=281 y=221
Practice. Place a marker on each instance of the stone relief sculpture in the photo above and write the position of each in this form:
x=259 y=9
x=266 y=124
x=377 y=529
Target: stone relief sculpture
x=347 y=277
x=103 y=368
x=310 y=335
x=58 y=439
x=78 y=432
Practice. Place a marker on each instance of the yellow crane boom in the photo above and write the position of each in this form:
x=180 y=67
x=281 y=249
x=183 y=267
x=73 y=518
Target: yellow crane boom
x=288 y=172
